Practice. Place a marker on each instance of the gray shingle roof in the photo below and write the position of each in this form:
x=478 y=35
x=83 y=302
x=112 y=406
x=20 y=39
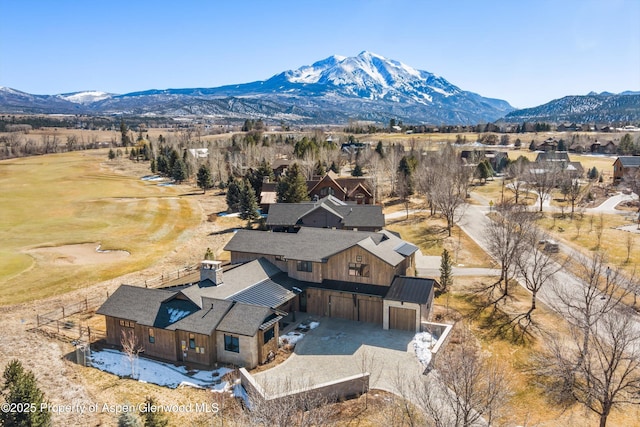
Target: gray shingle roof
x=164 y=309
x=244 y=319
x=317 y=244
x=351 y=215
x=410 y=289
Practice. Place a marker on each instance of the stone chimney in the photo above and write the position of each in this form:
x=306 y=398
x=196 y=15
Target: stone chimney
x=211 y=270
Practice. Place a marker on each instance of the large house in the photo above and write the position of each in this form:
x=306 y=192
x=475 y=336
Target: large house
x=625 y=165
x=328 y=212
x=346 y=189
x=559 y=161
x=233 y=316
x=354 y=275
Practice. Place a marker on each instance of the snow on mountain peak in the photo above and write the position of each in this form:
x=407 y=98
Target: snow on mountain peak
x=86 y=97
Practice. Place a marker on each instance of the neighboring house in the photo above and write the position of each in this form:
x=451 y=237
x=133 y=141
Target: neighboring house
x=559 y=160
x=624 y=165
x=229 y=317
x=550 y=144
x=354 y=189
x=569 y=127
x=346 y=189
x=199 y=153
x=346 y=274
x=328 y=212
x=497 y=159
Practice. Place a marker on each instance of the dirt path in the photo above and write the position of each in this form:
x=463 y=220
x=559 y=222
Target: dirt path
x=64 y=382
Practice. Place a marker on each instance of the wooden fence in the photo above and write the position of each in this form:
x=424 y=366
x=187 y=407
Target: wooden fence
x=59 y=323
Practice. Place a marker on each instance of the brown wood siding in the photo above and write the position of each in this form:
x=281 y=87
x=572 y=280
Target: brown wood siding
x=328 y=303
x=314 y=276
x=265 y=348
x=114 y=330
x=403 y=319
x=337 y=267
x=370 y=309
x=343 y=306
x=201 y=354
x=164 y=346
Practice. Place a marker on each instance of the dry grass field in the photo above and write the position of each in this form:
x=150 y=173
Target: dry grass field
x=57 y=209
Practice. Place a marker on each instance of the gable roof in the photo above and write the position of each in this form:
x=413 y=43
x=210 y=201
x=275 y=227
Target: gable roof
x=245 y=319
x=164 y=309
x=351 y=215
x=410 y=289
x=630 y=161
x=319 y=244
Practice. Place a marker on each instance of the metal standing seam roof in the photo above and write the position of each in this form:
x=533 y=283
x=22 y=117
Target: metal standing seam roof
x=416 y=290
x=630 y=161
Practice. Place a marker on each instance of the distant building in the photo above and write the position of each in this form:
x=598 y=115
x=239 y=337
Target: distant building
x=624 y=165
x=328 y=212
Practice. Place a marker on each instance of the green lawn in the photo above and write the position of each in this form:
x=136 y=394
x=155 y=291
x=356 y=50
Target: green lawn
x=74 y=198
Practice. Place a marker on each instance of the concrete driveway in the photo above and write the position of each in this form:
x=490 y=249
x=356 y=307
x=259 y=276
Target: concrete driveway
x=337 y=348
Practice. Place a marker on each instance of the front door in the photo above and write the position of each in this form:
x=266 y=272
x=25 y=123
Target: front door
x=303 y=301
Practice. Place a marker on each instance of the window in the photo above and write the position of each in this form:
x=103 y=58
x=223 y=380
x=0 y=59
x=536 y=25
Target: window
x=152 y=336
x=192 y=341
x=127 y=324
x=269 y=334
x=304 y=266
x=358 y=269
x=232 y=343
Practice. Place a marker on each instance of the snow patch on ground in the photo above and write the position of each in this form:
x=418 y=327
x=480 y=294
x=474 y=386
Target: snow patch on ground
x=159 y=373
x=314 y=325
x=423 y=342
x=291 y=338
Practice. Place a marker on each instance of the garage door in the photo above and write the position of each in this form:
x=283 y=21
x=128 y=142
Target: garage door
x=402 y=318
x=341 y=307
x=370 y=310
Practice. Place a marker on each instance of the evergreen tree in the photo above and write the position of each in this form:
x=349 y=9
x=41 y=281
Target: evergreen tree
x=20 y=387
x=319 y=169
x=380 y=149
x=446 y=278
x=248 y=204
x=234 y=194
x=209 y=255
x=204 y=179
x=124 y=134
x=154 y=167
x=112 y=154
x=593 y=173
x=482 y=172
x=561 y=146
x=257 y=176
x=406 y=167
x=179 y=171
x=292 y=187
x=532 y=146
x=357 y=171
x=517 y=143
x=154 y=419
x=334 y=167
x=162 y=164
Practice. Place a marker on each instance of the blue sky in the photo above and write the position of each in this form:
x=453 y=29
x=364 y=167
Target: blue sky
x=524 y=51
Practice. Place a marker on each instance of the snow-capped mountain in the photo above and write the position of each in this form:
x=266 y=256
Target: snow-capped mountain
x=86 y=97
x=333 y=90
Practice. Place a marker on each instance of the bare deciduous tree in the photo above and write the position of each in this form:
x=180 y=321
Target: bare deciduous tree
x=449 y=191
x=131 y=347
x=536 y=266
x=465 y=389
x=506 y=240
x=543 y=180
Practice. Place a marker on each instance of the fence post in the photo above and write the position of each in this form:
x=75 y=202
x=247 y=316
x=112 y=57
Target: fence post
x=86 y=304
x=63 y=312
x=58 y=325
x=89 y=334
x=37 y=321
